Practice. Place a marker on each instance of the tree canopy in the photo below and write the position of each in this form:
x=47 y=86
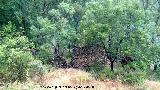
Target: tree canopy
x=127 y=30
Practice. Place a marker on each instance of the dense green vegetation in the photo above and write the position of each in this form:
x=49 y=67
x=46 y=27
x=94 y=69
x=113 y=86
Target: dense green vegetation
x=35 y=34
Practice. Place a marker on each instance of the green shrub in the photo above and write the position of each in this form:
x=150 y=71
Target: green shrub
x=95 y=66
x=154 y=75
x=100 y=70
x=105 y=73
x=36 y=68
x=133 y=73
x=126 y=75
x=45 y=52
x=18 y=65
x=14 y=58
x=133 y=78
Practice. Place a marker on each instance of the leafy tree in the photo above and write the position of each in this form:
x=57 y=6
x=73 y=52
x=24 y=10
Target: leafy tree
x=14 y=60
x=15 y=56
x=59 y=27
x=117 y=28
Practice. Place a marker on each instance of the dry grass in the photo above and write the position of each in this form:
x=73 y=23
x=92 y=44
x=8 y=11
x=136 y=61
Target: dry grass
x=75 y=77
x=152 y=85
x=22 y=86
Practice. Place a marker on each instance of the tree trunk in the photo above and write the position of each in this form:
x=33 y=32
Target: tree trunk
x=111 y=65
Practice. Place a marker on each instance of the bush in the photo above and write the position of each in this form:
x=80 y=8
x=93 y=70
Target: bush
x=100 y=70
x=45 y=52
x=36 y=69
x=125 y=75
x=133 y=78
x=95 y=66
x=14 y=58
x=133 y=73
x=18 y=65
x=154 y=75
x=105 y=73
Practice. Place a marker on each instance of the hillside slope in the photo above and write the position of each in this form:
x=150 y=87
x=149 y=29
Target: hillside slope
x=75 y=78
